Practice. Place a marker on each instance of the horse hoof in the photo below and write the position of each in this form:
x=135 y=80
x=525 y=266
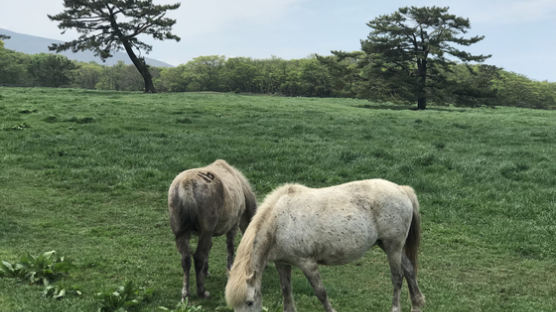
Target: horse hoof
x=204 y=294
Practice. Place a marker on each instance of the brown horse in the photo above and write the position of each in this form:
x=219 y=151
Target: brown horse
x=209 y=201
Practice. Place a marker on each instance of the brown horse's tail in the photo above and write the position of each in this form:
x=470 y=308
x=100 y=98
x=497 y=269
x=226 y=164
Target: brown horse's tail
x=411 y=247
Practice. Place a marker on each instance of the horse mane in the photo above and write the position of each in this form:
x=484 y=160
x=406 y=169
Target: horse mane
x=254 y=247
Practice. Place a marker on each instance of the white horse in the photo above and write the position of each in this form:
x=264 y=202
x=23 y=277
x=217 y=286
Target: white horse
x=302 y=226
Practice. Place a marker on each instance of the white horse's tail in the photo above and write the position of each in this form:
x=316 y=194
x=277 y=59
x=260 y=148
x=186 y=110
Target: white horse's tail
x=411 y=247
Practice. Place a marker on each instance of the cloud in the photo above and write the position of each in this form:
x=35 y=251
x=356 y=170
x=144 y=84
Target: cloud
x=493 y=12
x=195 y=18
x=29 y=17
x=516 y=12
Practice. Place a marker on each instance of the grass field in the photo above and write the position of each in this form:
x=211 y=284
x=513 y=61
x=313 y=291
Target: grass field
x=86 y=173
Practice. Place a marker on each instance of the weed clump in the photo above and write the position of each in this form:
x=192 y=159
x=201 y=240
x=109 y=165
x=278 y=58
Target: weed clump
x=18 y=127
x=124 y=298
x=183 y=307
x=42 y=269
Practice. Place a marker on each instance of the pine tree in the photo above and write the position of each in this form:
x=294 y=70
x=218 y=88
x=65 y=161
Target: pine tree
x=110 y=25
x=411 y=46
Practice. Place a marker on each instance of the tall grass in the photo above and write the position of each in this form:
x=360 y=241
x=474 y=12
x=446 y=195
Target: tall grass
x=86 y=173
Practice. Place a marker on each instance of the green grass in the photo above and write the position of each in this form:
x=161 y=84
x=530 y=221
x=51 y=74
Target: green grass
x=86 y=173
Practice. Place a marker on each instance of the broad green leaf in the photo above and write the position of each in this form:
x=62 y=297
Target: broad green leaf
x=61 y=294
x=8 y=266
x=48 y=254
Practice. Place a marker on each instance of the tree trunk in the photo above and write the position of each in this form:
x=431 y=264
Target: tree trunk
x=422 y=84
x=149 y=86
x=142 y=67
x=139 y=63
x=421 y=103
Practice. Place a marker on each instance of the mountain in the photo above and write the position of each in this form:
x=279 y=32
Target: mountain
x=33 y=45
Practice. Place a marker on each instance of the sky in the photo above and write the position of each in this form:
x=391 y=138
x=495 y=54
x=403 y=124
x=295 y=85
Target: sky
x=519 y=34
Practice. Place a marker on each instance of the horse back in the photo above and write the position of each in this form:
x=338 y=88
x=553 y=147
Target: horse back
x=337 y=224
x=389 y=205
x=210 y=198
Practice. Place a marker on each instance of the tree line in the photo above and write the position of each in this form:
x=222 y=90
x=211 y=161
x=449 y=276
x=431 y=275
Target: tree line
x=412 y=55
x=338 y=75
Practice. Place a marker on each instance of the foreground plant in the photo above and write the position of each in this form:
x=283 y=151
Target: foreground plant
x=124 y=298
x=183 y=307
x=44 y=268
x=59 y=292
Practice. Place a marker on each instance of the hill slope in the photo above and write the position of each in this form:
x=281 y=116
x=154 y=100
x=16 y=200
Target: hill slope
x=33 y=45
x=87 y=173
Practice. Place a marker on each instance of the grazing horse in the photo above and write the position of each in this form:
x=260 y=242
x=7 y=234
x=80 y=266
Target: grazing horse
x=209 y=201
x=301 y=226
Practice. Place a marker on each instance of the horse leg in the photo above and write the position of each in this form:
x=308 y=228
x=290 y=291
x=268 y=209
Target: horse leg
x=230 y=246
x=417 y=298
x=311 y=271
x=394 y=253
x=284 y=271
x=182 y=242
x=201 y=262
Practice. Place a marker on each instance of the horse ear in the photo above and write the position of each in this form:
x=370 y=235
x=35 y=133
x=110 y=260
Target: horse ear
x=250 y=278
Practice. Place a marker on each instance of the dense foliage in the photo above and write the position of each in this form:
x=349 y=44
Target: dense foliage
x=414 y=46
x=338 y=75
